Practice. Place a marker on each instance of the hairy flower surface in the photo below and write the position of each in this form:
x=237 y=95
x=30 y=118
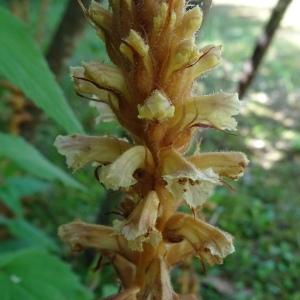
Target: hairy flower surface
x=150 y=91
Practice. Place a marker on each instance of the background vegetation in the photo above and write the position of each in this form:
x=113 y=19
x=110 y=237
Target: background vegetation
x=37 y=193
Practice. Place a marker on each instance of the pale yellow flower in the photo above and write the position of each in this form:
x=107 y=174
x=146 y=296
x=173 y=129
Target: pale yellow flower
x=82 y=149
x=209 y=242
x=119 y=174
x=156 y=107
x=187 y=182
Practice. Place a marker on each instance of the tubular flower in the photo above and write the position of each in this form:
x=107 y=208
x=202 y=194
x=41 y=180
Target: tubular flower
x=150 y=91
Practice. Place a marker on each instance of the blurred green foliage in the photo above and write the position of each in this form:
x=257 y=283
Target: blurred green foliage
x=262 y=213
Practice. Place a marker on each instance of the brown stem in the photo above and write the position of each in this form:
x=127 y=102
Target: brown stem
x=20 y=8
x=262 y=45
x=42 y=18
x=62 y=45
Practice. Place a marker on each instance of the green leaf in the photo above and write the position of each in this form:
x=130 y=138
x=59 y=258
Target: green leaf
x=33 y=274
x=31 y=235
x=14 y=188
x=26 y=185
x=22 y=63
x=32 y=161
x=11 y=199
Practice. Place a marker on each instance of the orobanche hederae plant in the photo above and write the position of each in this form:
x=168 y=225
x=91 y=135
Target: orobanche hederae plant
x=151 y=90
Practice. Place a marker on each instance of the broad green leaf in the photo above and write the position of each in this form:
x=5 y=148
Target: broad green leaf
x=14 y=188
x=11 y=244
x=33 y=274
x=32 y=161
x=26 y=185
x=31 y=235
x=22 y=63
x=11 y=200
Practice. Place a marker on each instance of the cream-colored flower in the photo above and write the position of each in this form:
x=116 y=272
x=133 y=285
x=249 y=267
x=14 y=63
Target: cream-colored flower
x=160 y=19
x=87 y=88
x=126 y=269
x=209 y=242
x=228 y=164
x=134 y=43
x=82 y=235
x=100 y=16
x=184 y=55
x=185 y=181
x=190 y=23
x=143 y=218
x=213 y=110
x=105 y=77
x=178 y=251
x=163 y=18
x=158 y=284
x=138 y=243
x=156 y=107
x=119 y=174
x=209 y=58
x=82 y=149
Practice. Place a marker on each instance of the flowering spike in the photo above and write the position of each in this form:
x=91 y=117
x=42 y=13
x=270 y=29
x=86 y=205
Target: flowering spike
x=151 y=91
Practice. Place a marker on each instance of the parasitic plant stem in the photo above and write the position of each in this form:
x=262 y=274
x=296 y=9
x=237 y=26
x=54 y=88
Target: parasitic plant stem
x=151 y=90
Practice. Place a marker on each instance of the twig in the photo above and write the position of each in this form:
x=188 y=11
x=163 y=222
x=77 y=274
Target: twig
x=62 y=45
x=263 y=43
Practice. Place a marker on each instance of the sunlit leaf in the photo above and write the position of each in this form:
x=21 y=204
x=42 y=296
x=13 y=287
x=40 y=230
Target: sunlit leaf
x=22 y=63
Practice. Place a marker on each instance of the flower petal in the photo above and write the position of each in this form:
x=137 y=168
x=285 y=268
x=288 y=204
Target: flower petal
x=82 y=149
x=85 y=87
x=82 y=235
x=185 y=181
x=178 y=252
x=140 y=225
x=157 y=283
x=163 y=20
x=209 y=242
x=209 y=58
x=105 y=77
x=190 y=23
x=100 y=16
x=160 y=19
x=183 y=55
x=126 y=270
x=212 y=110
x=228 y=164
x=137 y=244
x=119 y=174
x=143 y=218
x=135 y=42
x=105 y=112
x=156 y=107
